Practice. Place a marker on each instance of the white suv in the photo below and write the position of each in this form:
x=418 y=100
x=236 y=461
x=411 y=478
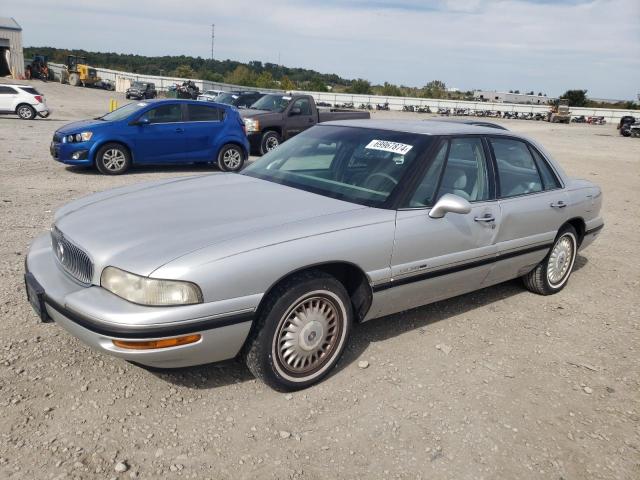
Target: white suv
x=22 y=100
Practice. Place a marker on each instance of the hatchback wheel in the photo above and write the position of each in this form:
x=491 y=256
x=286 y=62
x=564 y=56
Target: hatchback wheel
x=26 y=112
x=231 y=158
x=113 y=159
x=301 y=332
x=551 y=275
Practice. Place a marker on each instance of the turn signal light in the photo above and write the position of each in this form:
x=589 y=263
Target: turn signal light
x=154 y=344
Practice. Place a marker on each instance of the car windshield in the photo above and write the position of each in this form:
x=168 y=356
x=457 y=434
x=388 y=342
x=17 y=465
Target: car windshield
x=358 y=165
x=272 y=103
x=138 y=85
x=226 y=98
x=123 y=112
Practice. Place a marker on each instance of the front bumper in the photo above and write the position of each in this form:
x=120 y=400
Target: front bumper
x=222 y=333
x=65 y=153
x=255 y=140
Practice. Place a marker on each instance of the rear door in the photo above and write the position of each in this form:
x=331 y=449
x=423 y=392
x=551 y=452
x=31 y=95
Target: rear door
x=300 y=115
x=203 y=128
x=533 y=204
x=163 y=139
x=8 y=96
x=436 y=258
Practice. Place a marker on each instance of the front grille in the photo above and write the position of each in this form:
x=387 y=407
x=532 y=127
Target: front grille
x=72 y=258
x=57 y=138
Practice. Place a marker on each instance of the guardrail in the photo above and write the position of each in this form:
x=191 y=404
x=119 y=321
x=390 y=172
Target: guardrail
x=123 y=79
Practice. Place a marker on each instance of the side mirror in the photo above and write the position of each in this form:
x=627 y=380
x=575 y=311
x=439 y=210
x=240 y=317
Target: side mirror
x=295 y=111
x=142 y=121
x=449 y=203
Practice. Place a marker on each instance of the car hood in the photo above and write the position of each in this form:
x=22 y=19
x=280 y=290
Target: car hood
x=77 y=127
x=250 y=113
x=143 y=227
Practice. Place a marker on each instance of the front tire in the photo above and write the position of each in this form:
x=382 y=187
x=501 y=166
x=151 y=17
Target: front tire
x=231 y=158
x=113 y=159
x=26 y=112
x=552 y=274
x=301 y=332
x=270 y=141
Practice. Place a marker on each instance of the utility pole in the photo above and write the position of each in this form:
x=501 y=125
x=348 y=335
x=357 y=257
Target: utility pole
x=213 y=36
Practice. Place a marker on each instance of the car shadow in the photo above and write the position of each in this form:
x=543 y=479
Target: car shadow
x=419 y=319
x=144 y=169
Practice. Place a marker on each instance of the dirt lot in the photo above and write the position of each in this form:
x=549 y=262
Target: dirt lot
x=499 y=384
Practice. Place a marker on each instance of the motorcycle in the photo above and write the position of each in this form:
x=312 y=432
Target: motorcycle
x=408 y=108
x=579 y=119
x=384 y=106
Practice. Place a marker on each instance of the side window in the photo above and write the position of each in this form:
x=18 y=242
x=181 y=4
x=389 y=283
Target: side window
x=7 y=91
x=426 y=190
x=517 y=170
x=303 y=105
x=465 y=173
x=165 y=114
x=204 y=113
x=549 y=179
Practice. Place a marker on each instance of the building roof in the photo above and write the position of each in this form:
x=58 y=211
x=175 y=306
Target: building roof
x=9 y=23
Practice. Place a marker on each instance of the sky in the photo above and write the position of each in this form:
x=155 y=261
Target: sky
x=541 y=45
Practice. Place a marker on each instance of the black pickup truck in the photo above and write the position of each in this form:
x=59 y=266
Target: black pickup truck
x=277 y=117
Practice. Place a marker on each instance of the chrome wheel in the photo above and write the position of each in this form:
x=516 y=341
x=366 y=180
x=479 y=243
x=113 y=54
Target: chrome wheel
x=232 y=159
x=114 y=159
x=561 y=260
x=309 y=334
x=25 y=113
x=271 y=143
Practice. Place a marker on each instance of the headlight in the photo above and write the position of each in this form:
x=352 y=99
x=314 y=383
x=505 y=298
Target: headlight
x=251 y=125
x=85 y=136
x=149 y=291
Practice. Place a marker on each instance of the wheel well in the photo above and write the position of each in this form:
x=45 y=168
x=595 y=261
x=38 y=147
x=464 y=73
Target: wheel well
x=355 y=281
x=579 y=225
x=99 y=146
x=237 y=144
x=25 y=104
x=272 y=129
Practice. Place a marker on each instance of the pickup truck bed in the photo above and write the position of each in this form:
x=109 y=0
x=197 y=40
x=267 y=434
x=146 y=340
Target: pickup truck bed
x=275 y=118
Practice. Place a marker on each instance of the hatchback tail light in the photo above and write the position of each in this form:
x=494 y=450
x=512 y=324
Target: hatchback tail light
x=38 y=98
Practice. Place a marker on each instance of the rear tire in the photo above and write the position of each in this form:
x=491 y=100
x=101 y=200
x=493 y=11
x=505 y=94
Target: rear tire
x=231 y=158
x=113 y=159
x=553 y=272
x=270 y=141
x=74 y=79
x=25 y=112
x=301 y=331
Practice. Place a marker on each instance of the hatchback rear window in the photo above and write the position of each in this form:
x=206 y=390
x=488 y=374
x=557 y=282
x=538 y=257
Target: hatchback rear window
x=30 y=90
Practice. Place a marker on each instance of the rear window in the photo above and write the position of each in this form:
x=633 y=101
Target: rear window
x=30 y=90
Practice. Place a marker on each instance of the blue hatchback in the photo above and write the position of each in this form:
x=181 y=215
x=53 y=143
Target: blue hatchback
x=155 y=132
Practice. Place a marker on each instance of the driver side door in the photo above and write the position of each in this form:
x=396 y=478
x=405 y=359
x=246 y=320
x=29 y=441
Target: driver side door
x=163 y=138
x=437 y=258
x=300 y=116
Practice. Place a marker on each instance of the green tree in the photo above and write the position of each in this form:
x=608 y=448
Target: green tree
x=184 y=71
x=265 y=80
x=241 y=76
x=287 y=84
x=316 y=85
x=436 y=85
x=577 y=98
x=359 y=86
x=391 y=90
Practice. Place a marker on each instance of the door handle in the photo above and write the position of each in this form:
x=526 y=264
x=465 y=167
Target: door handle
x=488 y=218
x=558 y=204
x=179 y=130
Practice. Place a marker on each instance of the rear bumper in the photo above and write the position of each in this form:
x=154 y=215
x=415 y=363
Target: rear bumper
x=593 y=230
x=83 y=312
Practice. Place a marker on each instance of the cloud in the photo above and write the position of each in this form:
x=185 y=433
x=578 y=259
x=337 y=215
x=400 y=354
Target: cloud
x=501 y=44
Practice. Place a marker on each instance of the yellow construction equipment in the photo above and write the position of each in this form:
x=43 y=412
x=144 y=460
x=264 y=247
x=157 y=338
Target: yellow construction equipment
x=77 y=72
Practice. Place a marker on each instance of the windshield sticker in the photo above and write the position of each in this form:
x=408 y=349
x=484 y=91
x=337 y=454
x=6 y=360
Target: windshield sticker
x=286 y=98
x=393 y=147
x=234 y=96
x=142 y=104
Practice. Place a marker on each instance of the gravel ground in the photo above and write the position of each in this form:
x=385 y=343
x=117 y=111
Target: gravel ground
x=496 y=384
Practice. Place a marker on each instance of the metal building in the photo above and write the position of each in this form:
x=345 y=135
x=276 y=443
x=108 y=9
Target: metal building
x=11 y=56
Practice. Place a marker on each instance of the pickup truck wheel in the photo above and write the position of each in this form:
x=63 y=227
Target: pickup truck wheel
x=113 y=159
x=231 y=158
x=270 y=141
x=301 y=331
x=26 y=112
x=551 y=274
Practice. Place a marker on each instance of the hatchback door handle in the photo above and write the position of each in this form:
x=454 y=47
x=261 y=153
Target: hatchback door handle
x=487 y=218
x=558 y=204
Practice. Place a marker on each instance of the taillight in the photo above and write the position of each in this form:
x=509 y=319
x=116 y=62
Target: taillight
x=38 y=98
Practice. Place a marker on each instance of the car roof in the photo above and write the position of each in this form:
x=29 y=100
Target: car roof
x=433 y=127
x=152 y=101
x=468 y=121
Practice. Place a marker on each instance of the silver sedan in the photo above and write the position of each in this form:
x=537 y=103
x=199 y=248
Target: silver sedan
x=345 y=222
